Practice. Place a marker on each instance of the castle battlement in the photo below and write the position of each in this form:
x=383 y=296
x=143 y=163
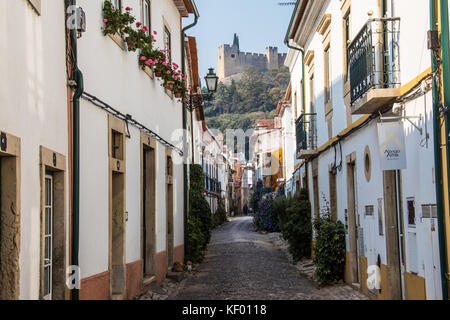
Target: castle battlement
x=231 y=60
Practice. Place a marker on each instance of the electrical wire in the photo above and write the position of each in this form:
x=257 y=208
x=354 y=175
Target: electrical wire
x=128 y=120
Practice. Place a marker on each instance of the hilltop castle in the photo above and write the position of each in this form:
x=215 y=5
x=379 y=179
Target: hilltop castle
x=231 y=61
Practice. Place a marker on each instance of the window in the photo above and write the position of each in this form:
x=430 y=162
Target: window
x=117 y=143
x=168 y=43
x=411 y=212
x=327 y=75
x=346 y=44
x=311 y=94
x=48 y=237
x=369 y=211
x=146 y=15
x=429 y=211
x=117 y=4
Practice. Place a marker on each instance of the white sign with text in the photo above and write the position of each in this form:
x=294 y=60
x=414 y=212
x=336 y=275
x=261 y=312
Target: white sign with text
x=391 y=142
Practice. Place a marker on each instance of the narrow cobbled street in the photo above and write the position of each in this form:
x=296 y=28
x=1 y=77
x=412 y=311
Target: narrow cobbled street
x=242 y=264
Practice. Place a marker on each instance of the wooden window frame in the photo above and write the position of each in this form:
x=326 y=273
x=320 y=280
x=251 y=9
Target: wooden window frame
x=346 y=12
x=143 y=13
x=54 y=163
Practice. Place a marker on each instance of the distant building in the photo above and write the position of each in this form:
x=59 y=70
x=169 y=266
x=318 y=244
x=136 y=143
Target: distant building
x=232 y=62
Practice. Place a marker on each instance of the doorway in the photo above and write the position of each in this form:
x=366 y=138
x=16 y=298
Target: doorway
x=394 y=234
x=9 y=216
x=118 y=279
x=148 y=213
x=169 y=212
x=353 y=221
x=117 y=208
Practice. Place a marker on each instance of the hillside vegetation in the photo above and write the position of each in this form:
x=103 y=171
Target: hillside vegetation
x=240 y=104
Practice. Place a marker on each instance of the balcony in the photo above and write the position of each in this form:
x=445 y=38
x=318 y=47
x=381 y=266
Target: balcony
x=306 y=131
x=374 y=63
x=212 y=185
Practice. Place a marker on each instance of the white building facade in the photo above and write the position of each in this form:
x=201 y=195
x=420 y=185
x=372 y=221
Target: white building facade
x=345 y=96
x=135 y=171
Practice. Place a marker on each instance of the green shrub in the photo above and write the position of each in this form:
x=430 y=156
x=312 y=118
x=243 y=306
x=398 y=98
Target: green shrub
x=296 y=225
x=329 y=249
x=220 y=217
x=196 y=240
x=199 y=219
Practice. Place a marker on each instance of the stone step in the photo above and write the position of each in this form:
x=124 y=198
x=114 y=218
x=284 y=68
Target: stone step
x=117 y=296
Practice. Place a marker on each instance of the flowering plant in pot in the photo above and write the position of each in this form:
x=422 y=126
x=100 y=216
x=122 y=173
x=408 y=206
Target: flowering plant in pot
x=180 y=86
x=116 y=21
x=138 y=39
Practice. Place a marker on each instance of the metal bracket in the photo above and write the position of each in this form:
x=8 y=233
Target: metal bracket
x=407 y=118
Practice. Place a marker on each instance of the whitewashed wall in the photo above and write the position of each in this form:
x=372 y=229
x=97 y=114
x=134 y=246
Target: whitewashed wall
x=33 y=107
x=417 y=179
x=114 y=76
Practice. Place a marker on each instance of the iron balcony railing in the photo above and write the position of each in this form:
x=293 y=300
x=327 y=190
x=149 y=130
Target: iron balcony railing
x=374 y=57
x=306 y=131
x=212 y=185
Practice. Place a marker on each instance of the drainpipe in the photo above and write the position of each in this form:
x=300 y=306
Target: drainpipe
x=185 y=171
x=78 y=77
x=302 y=50
x=437 y=151
x=446 y=81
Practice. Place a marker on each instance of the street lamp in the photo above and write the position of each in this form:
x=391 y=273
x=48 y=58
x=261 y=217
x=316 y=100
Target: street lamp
x=211 y=81
x=196 y=99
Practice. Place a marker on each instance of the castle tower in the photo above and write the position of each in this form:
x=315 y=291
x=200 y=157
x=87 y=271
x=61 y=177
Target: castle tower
x=227 y=59
x=272 y=58
x=236 y=42
x=231 y=61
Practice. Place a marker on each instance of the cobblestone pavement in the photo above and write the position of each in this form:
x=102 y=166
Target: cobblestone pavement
x=242 y=264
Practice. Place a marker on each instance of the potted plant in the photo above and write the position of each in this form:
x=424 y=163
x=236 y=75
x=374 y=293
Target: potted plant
x=115 y=21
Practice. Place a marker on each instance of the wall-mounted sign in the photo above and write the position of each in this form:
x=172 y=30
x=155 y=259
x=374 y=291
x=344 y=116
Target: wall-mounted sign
x=391 y=142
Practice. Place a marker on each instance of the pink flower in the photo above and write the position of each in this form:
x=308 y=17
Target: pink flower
x=114 y=9
x=147 y=62
x=184 y=79
x=168 y=50
x=105 y=20
x=128 y=8
x=168 y=72
x=138 y=24
x=143 y=58
x=145 y=28
x=150 y=61
x=176 y=78
x=164 y=63
x=155 y=33
x=156 y=61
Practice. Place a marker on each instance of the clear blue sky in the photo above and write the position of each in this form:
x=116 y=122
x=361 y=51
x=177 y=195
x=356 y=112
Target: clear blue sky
x=258 y=23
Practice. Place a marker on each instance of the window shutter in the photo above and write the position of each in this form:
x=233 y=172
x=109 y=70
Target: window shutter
x=36 y=4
